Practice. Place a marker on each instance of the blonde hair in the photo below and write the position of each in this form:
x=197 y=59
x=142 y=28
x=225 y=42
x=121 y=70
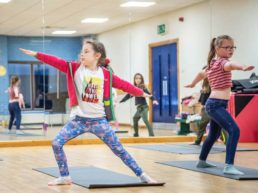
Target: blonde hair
x=206 y=86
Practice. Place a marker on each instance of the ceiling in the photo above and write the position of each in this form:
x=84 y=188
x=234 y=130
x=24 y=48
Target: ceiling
x=42 y=17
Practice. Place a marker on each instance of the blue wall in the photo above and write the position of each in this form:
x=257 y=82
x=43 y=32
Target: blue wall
x=4 y=82
x=67 y=48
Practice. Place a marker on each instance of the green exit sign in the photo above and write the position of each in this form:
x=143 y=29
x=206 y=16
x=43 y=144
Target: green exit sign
x=161 y=29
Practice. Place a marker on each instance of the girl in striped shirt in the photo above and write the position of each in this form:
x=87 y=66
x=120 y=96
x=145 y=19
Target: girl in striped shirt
x=218 y=73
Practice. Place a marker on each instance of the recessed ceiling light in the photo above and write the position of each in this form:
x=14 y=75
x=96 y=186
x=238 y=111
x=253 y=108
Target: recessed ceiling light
x=94 y=20
x=63 y=32
x=5 y=1
x=137 y=4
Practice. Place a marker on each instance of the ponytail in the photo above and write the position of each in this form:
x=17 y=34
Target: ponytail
x=206 y=86
x=212 y=52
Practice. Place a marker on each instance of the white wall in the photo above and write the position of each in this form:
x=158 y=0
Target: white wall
x=128 y=46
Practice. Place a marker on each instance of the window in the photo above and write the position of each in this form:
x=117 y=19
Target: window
x=43 y=86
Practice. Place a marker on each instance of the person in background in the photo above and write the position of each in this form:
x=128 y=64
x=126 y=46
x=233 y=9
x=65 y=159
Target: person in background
x=141 y=105
x=205 y=119
x=16 y=102
x=201 y=126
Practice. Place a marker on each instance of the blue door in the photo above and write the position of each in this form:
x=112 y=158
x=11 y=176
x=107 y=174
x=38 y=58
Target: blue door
x=165 y=84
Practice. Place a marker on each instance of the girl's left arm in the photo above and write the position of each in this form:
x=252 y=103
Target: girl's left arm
x=154 y=101
x=237 y=66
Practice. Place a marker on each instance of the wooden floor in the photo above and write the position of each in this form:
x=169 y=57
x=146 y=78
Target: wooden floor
x=17 y=176
x=37 y=134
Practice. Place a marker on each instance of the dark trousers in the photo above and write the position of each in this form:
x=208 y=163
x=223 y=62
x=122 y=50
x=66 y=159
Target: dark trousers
x=15 y=113
x=220 y=118
x=142 y=112
x=201 y=126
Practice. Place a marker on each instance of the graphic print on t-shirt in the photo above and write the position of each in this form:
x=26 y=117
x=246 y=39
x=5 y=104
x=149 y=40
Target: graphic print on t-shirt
x=91 y=89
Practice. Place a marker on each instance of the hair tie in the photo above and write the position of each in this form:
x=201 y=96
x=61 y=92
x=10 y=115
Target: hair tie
x=107 y=61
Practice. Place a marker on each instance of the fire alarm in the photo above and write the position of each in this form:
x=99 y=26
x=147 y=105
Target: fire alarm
x=181 y=19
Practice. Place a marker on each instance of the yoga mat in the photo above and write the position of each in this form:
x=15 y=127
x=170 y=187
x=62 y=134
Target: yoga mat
x=186 y=148
x=93 y=177
x=249 y=173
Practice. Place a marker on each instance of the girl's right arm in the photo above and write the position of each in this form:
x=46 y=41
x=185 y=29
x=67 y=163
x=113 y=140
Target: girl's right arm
x=56 y=62
x=200 y=76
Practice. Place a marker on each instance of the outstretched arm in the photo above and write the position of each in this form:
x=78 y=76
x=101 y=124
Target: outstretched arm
x=29 y=52
x=154 y=101
x=128 y=87
x=200 y=76
x=237 y=66
x=56 y=62
x=126 y=97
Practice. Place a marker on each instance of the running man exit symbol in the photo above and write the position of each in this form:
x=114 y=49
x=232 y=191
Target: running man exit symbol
x=161 y=29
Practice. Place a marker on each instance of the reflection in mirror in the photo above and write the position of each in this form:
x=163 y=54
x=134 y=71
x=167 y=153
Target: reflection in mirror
x=127 y=35
x=135 y=39
x=23 y=27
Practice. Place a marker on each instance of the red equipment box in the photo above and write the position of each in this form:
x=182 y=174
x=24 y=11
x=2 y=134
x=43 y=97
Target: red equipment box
x=244 y=109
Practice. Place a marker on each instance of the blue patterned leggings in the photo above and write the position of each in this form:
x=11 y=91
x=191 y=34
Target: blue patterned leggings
x=98 y=126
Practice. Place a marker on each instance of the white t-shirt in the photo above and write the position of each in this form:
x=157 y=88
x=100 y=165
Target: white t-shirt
x=90 y=86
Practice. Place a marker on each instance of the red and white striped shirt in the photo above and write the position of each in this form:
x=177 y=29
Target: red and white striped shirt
x=217 y=76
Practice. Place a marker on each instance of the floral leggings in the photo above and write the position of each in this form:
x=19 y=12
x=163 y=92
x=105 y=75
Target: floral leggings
x=98 y=126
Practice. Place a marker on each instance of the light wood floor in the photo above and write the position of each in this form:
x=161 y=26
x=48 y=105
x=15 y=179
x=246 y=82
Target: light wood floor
x=17 y=176
x=53 y=131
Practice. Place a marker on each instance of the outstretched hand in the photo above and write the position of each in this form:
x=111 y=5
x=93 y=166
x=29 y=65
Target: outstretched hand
x=189 y=85
x=155 y=102
x=248 y=68
x=146 y=95
x=28 y=52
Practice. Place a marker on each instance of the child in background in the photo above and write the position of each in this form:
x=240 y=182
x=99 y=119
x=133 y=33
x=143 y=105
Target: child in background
x=219 y=75
x=201 y=126
x=16 y=102
x=141 y=105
